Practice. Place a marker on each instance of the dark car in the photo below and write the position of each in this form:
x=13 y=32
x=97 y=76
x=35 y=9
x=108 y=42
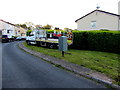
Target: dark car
x=6 y=38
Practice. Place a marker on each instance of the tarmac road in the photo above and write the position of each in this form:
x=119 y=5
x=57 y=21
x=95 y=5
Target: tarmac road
x=22 y=70
x=0 y=65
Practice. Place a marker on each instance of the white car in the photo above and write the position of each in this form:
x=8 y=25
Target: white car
x=18 y=38
x=23 y=37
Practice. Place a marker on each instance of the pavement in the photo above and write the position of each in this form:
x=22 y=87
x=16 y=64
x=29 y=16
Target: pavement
x=83 y=71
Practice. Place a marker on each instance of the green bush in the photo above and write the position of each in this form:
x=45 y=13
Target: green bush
x=28 y=32
x=97 y=40
x=80 y=40
x=52 y=31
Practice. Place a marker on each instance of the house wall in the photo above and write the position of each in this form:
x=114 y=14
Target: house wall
x=1 y=25
x=16 y=31
x=1 y=28
x=10 y=28
x=103 y=21
x=13 y=30
x=19 y=31
x=22 y=31
x=4 y=27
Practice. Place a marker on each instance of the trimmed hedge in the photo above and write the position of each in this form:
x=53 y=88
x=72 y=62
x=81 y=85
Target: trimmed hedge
x=108 y=41
x=52 y=31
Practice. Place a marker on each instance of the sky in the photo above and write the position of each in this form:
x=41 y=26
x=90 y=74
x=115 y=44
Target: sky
x=58 y=13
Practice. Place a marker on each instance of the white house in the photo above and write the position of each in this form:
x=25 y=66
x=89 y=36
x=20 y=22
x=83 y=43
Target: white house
x=97 y=20
x=7 y=28
x=19 y=31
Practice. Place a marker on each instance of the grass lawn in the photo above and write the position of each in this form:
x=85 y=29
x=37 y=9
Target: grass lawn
x=107 y=63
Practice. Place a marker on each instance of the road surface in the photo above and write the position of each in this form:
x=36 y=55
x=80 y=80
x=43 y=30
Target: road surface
x=0 y=65
x=22 y=70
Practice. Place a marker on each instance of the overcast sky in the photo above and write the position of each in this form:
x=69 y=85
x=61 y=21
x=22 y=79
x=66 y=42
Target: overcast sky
x=59 y=13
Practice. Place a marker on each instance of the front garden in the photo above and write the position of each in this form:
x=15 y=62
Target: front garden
x=97 y=50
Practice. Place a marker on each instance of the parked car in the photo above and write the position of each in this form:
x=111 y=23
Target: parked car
x=7 y=38
x=18 y=38
x=14 y=38
x=23 y=37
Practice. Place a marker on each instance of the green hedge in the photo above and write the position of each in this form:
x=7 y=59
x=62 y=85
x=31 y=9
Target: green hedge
x=97 y=40
x=52 y=31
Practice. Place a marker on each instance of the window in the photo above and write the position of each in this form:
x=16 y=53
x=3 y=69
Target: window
x=8 y=31
x=93 y=24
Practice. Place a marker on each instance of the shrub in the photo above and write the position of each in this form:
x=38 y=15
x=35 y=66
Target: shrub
x=28 y=32
x=80 y=40
x=50 y=31
x=97 y=40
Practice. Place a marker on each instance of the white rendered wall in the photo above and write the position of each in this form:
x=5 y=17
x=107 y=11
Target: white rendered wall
x=103 y=21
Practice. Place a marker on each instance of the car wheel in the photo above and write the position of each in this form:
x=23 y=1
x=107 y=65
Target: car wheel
x=28 y=42
x=51 y=46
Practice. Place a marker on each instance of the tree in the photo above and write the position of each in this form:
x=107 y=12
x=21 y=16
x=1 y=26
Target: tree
x=30 y=25
x=67 y=29
x=56 y=28
x=28 y=32
x=38 y=26
x=26 y=26
x=47 y=26
x=22 y=25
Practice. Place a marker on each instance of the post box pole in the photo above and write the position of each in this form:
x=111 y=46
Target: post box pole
x=63 y=53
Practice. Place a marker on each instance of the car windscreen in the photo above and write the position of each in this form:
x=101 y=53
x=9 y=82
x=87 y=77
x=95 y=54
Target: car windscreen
x=3 y=36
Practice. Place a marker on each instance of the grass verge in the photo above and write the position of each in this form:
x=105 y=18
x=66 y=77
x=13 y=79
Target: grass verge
x=107 y=63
